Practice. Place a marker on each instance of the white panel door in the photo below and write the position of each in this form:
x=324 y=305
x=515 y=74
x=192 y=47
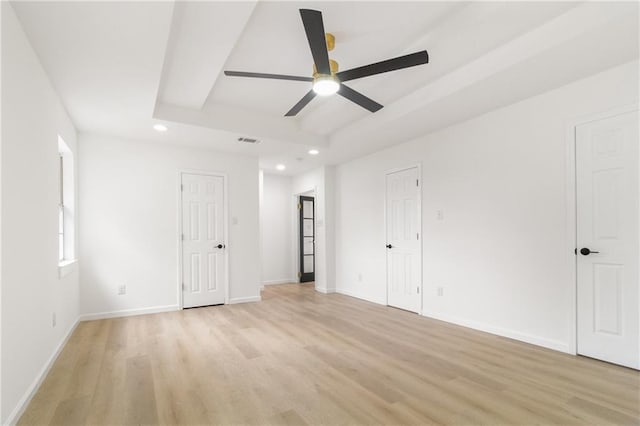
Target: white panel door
x=203 y=245
x=404 y=259
x=607 y=237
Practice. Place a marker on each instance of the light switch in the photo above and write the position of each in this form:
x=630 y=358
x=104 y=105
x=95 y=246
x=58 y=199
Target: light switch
x=439 y=214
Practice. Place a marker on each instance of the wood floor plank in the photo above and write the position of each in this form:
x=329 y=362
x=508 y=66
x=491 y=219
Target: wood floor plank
x=46 y=400
x=304 y=358
x=71 y=412
x=140 y=401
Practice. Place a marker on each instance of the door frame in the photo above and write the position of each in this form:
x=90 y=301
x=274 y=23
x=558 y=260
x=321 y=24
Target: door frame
x=295 y=232
x=225 y=229
x=301 y=237
x=387 y=172
x=572 y=210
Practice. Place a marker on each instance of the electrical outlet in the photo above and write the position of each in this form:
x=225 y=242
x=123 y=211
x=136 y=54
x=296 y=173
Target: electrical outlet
x=439 y=214
x=54 y=320
x=122 y=290
x=440 y=291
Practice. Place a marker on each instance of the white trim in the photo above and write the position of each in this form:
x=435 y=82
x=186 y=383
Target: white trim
x=65 y=267
x=31 y=391
x=225 y=221
x=245 y=300
x=280 y=281
x=361 y=297
x=69 y=202
x=498 y=331
x=129 y=312
x=571 y=219
x=388 y=172
x=325 y=290
x=503 y=332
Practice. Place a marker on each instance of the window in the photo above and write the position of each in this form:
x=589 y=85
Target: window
x=61 y=211
x=66 y=204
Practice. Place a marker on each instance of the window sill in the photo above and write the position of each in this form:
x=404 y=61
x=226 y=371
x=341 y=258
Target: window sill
x=66 y=267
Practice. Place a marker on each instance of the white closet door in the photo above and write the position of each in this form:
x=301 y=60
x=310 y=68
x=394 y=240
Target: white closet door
x=607 y=236
x=203 y=245
x=404 y=262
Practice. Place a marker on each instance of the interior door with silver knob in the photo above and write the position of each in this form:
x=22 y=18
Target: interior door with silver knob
x=403 y=245
x=203 y=240
x=306 y=208
x=607 y=239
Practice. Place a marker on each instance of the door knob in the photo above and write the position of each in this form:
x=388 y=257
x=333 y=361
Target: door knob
x=220 y=246
x=586 y=252
x=389 y=246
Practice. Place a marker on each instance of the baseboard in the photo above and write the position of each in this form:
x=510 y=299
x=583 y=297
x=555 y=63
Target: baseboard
x=325 y=290
x=129 y=312
x=358 y=296
x=498 y=331
x=503 y=332
x=245 y=300
x=281 y=281
x=31 y=391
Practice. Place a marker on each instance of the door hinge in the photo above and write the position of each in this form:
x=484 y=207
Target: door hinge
x=299 y=274
x=181 y=187
x=299 y=206
x=184 y=287
x=182 y=237
x=418 y=289
x=417 y=236
x=417 y=182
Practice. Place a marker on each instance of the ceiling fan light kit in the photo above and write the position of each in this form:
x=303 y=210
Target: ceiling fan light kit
x=326 y=79
x=325 y=85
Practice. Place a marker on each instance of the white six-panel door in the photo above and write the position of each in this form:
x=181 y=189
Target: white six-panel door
x=404 y=263
x=203 y=244
x=607 y=239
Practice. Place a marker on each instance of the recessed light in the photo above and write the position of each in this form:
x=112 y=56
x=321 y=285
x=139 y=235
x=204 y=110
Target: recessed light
x=281 y=167
x=160 y=127
x=314 y=152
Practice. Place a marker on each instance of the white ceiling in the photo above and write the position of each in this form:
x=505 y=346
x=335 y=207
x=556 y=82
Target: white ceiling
x=274 y=41
x=120 y=67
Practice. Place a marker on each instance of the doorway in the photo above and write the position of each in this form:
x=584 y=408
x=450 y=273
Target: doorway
x=306 y=239
x=404 y=247
x=607 y=238
x=203 y=239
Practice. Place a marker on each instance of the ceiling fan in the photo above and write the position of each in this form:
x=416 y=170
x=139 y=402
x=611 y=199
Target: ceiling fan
x=326 y=79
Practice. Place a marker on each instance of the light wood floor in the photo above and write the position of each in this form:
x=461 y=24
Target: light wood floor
x=301 y=357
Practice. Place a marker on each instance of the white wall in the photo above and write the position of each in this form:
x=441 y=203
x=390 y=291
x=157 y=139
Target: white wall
x=276 y=229
x=129 y=222
x=501 y=251
x=32 y=119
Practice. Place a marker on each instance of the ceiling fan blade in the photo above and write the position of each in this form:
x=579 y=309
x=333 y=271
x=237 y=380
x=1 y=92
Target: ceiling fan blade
x=261 y=75
x=301 y=104
x=398 y=63
x=359 y=98
x=313 y=26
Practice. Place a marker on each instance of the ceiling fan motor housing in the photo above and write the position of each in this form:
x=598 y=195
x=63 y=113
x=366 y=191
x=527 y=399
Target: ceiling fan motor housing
x=333 y=65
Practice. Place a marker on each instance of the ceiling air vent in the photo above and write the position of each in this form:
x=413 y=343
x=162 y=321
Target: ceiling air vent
x=248 y=140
